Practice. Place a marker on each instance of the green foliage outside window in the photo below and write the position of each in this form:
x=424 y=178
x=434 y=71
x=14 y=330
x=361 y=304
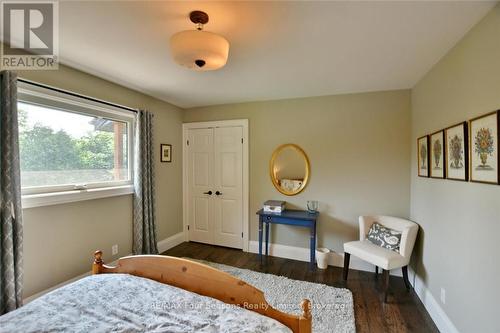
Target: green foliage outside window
x=42 y=148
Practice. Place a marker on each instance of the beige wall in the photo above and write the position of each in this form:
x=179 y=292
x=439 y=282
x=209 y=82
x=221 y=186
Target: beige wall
x=358 y=146
x=458 y=249
x=59 y=240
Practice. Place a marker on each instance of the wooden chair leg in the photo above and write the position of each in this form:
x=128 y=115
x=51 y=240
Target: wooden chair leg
x=347 y=257
x=405 y=277
x=385 y=274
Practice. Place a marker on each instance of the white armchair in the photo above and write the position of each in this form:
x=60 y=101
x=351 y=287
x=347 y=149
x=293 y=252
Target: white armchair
x=381 y=257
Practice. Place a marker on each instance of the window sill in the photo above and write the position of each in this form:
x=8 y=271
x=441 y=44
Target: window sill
x=56 y=198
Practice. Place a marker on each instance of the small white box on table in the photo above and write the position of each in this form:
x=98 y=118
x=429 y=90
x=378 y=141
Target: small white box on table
x=274 y=206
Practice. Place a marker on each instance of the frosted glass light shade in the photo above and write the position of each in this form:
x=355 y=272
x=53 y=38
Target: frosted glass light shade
x=191 y=48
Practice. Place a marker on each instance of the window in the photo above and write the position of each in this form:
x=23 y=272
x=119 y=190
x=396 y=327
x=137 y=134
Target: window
x=68 y=143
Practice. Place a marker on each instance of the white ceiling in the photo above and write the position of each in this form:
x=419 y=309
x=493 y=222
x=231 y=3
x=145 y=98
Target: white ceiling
x=278 y=49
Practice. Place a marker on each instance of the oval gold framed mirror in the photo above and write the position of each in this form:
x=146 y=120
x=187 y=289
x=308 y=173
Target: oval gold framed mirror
x=289 y=169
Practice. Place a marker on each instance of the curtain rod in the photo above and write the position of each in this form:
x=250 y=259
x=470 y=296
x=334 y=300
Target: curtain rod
x=77 y=95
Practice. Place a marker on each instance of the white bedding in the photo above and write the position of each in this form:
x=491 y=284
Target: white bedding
x=125 y=303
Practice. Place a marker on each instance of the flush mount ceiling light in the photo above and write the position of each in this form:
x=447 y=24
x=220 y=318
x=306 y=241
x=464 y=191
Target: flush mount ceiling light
x=197 y=49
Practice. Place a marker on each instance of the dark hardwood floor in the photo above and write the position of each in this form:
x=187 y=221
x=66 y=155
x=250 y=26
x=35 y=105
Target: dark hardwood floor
x=403 y=313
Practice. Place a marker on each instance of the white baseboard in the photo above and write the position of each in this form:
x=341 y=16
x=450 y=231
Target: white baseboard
x=163 y=246
x=302 y=254
x=170 y=242
x=440 y=318
x=43 y=292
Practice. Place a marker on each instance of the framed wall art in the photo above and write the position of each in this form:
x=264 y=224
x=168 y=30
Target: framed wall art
x=457 y=152
x=483 y=149
x=166 y=153
x=436 y=158
x=423 y=156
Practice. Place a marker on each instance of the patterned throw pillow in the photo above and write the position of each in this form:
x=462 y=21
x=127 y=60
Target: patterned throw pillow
x=384 y=237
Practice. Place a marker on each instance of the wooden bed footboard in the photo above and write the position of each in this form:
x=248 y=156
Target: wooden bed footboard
x=206 y=281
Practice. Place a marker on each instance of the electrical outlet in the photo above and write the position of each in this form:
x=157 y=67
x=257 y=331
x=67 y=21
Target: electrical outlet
x=443 y=295
x=114 y=249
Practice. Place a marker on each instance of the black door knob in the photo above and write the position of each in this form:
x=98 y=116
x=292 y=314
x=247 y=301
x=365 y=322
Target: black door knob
x=209 y=192
x=218 y=193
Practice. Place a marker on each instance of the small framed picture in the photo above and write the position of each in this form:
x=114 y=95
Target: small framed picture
x=436 y=161
x=457 y=152
x=166 y=153
x=483 y=149
x=423 y=156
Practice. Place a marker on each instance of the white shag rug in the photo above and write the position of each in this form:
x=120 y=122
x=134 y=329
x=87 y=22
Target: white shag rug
x=332 y=308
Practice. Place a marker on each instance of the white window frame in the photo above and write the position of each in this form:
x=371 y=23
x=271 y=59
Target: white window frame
x=57 y=194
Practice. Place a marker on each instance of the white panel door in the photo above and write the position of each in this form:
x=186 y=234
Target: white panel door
x=228 y=181
x=200 y=185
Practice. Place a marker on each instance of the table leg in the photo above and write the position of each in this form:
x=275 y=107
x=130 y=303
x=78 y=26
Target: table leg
x=267 y=239
x=313 y=246
x=260 y=238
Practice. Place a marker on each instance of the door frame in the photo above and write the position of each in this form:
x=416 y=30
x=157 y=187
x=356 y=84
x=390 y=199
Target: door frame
x=245 y=163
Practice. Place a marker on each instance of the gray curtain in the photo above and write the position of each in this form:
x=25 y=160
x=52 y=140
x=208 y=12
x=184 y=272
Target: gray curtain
x=11 y=226
x=144 y=186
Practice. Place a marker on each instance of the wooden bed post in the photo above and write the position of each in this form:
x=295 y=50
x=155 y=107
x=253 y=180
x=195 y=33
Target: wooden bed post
x=207 y=281
x=305 y=323
x=97 y=265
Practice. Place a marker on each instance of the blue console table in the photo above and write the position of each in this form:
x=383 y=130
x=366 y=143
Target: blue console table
x=298 y=218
